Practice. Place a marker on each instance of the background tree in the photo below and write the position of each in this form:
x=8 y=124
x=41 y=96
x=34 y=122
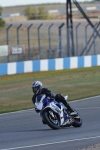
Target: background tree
x=0 y=10
x=30 y=13
x=2 y=22
x=33 y=13
x=41 y=13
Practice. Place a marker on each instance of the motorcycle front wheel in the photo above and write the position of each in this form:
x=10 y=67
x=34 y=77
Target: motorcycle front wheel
x=52 y=119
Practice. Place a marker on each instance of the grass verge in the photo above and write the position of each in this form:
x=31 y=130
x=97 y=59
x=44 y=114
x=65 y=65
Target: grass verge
x=16 y=92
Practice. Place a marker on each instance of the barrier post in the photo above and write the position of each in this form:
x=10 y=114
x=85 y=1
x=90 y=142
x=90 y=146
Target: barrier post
x=28 y=33
x=49 y=38
x=18 y=39
x=7 y=38
x=60 y=40
x=39 y=44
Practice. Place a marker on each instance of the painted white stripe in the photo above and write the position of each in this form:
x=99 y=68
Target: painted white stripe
x=84 y=99
x=98 y=60
x=44 y=65
x=59 y=142
x=29 y=110
x=73 y=62
x=16 y=14
x=11 y=69
x=88 y=108
x=53 y=11
x=74 y=9
x=91 y=8
x=20 y=111
x=28 y=66
x=58 y=63
x=87 y=61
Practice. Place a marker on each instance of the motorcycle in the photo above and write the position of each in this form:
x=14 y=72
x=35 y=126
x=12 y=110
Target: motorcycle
x=55 y=114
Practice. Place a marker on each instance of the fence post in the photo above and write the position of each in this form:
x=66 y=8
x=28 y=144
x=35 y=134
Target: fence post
x=94 y=37
x=7 y=38
x=77 y=38
x=49 y=36
x=94 y=41
x=60 y=40
x=28 y=33
x=18 y=39
x=68 y=42
x=97 y=26
x=86 y=37
x=7 y=35
x=39 y=44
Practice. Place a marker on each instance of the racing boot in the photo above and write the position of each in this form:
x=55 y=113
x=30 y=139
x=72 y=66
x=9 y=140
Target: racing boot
x=71 y=110
x=61 y=98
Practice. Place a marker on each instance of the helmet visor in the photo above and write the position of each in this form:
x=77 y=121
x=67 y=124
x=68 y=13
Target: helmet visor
x=34 y=89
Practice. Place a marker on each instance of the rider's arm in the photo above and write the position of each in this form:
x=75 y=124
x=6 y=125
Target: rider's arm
x=48 y=92
x=34 y=99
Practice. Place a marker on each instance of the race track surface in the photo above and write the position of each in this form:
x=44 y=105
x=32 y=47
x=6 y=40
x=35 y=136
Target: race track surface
x=24 y=130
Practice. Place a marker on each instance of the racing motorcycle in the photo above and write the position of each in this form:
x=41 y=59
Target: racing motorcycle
x=55 y=114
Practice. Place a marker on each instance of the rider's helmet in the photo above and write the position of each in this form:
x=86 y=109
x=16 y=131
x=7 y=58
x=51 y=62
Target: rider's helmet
x=36 y=86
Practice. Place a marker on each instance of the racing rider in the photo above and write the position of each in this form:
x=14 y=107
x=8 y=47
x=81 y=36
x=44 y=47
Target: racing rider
x=38 y=89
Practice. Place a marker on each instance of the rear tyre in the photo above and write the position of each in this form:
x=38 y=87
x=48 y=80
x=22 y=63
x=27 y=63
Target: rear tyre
x=77 y=121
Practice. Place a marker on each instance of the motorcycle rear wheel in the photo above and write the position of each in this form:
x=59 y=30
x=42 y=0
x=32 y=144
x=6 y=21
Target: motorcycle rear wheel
x=77 y=121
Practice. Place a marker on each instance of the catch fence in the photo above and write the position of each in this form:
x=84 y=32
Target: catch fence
x=32 y=40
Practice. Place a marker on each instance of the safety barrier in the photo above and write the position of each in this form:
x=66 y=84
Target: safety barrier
x=49 y=64
x=50 y=11
x=74 y=9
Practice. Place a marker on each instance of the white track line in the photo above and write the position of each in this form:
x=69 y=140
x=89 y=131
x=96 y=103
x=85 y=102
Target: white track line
x=89 y=108
x=21 y=111
x=84 y=99
x=46 y=144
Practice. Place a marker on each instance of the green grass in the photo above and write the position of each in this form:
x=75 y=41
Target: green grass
x=16 y=92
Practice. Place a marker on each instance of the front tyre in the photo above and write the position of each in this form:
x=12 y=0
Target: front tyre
x=52 y=119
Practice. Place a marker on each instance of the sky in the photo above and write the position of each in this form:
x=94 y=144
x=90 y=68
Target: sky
x=4 y=3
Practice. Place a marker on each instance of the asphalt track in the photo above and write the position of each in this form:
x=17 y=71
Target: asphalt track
x=24 y=130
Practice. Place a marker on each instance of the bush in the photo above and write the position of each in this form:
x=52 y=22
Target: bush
x=33 y=14
x=2 y=22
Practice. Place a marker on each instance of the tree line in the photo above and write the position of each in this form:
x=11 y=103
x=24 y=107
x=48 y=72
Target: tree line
x=33 y=13
x=2 y=22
